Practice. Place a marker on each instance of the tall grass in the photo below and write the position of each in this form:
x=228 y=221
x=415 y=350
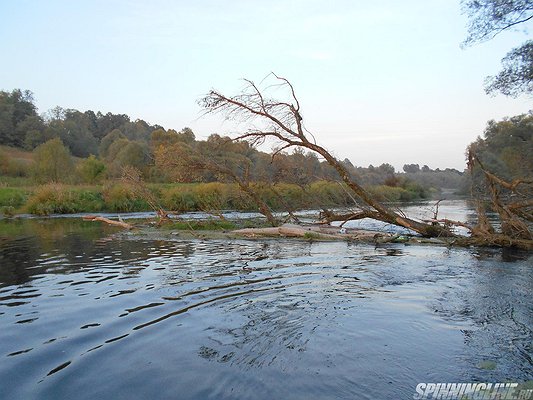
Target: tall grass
x=48 y=199
x=209 y=197
x=120 y=197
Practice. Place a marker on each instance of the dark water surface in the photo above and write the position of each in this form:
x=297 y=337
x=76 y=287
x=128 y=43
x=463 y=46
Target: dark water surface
x=89 y=313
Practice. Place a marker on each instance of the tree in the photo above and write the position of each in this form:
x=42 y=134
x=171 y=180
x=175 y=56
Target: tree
x=108 y=140
x=124 y=152
x=411 y=168
x=53 y=162
x=489 y=18
x=282 y=122
x=91 y=170
x=517 y=74
x=18 y=115
x=225 y=159
x=106 y=123
x=161 y=137
x=506 y=147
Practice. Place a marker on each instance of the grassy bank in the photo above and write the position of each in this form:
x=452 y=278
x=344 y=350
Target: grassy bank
x=120 y=197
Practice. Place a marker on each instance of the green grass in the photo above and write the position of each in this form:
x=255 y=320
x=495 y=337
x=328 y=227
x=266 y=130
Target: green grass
x=15 y=181
x=13 y=197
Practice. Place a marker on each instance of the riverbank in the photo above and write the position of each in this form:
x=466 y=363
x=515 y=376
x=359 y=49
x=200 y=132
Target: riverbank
x=117 y=196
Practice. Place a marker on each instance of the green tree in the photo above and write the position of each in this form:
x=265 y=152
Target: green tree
x=108 y=122
x=53 y=162
x=124 y=152
x=108 y=140
x=488 y=18
x=91 y=169
x=411 y=168
x=16 y=107
x=506 y=147
x=517 y=74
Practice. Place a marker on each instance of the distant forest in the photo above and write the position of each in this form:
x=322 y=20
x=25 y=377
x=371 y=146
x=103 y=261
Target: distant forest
x=97 y=146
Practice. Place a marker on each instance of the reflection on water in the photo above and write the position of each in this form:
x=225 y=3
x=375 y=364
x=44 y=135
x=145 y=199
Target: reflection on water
x=89 y=313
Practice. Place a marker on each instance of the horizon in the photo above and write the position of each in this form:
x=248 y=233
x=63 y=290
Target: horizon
x=417 y=98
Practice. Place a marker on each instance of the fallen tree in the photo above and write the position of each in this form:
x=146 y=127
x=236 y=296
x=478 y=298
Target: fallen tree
x=312 y=232
x=282 y=122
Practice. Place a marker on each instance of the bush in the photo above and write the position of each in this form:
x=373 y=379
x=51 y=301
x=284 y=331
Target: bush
x=179 y=199
x=90 y=170
x=328 y=194
x=236 y=199
x=120 y=197
x=7 y=211
x=292 y=195
x=52 y=162
x=18 y=168
x=390 y=194
x=52 y=198
x=55 y=198
x=14 y=167
x=211 y=196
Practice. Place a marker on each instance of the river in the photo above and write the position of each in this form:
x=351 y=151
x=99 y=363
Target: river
x=89 y=312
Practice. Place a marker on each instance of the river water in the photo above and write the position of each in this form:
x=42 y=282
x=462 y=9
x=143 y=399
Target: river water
x=88 y=312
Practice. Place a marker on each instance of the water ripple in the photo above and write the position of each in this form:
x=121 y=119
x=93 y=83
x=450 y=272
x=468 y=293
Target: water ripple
x=318 y=319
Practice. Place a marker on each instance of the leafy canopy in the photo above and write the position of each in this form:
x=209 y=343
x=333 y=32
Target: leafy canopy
x=488 y=18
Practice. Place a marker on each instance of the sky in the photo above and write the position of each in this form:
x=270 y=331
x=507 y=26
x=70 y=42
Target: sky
x=378 y=81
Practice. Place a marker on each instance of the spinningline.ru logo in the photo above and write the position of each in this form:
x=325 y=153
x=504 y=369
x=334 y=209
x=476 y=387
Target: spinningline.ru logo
x=472 y=391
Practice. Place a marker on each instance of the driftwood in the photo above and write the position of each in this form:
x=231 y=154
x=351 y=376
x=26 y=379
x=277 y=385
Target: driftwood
x=108 y=221
x=317 y=232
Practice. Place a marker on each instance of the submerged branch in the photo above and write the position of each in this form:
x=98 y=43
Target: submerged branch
x=108 y=221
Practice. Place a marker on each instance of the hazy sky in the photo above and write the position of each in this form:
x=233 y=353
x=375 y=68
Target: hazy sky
x=379 y=81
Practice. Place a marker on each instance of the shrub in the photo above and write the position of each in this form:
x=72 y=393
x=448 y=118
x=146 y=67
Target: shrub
x=120 y=197
x=18 y=168
x=52 y=198
x=327 y=194
x=7 y=211
x=179 y=198
x=389 y=193
x=52 y=162
x=292 y=195
x=211 y=196
x=90 y=170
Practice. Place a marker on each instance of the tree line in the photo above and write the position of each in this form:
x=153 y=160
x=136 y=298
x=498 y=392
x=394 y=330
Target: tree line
x=72 y=146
